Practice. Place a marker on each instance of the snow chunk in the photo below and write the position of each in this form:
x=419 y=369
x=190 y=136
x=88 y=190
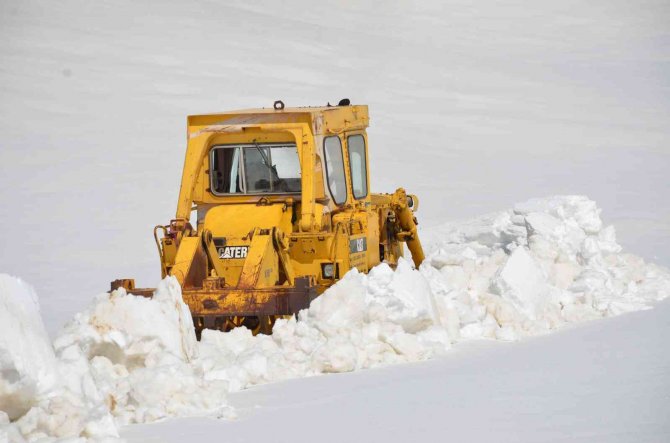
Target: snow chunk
x=27 y=360
x=139 y=352
x=35 y=385
x=521 y=281
x=126 y=329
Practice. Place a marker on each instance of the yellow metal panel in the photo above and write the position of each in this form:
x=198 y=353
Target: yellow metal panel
x=239 y=220
x=261 y=266
x=373 y=238
x=322 y=120
x=188 y=247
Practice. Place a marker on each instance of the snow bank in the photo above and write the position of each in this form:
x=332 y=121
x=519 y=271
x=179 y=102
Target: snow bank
x=529 y=270
x=36 y=396
x=139 y=352
x=125 y=359
x=27 y=360
x=542 y=264
x=363 y=321
x=525 y=271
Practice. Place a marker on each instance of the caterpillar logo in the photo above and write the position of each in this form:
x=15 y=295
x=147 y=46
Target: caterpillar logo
x=227 y=252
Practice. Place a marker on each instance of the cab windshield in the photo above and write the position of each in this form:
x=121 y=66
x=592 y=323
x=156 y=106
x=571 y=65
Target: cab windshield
x=255 y=169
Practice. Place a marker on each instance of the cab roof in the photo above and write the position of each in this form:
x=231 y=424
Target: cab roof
x=322 y=119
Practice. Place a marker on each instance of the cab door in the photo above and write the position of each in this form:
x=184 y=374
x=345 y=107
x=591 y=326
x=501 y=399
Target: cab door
x=364 y=241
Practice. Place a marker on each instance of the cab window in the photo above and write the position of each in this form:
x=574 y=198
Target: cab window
x=225 y=170
x=254 y=169
x=358 y=165
x=337 y=183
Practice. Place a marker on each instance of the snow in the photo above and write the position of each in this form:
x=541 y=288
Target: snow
x=604 y=381
x=27 y=360
x=139 y=351
x=361 y=322
x=521 y=272
x=43 y=394
x=115 y=324
x=522 y=282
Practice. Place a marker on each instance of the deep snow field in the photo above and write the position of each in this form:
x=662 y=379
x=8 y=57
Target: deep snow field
x=474 y=107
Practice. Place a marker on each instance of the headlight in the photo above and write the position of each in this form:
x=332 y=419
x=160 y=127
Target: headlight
x=328 y=270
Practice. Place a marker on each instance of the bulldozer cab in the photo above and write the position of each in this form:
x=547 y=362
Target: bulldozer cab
x=301 y=153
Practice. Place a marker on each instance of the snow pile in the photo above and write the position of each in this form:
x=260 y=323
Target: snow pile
x=363 y=321
x=140 y=352
x=126 y=359
x=41 y=394
x=27 y=361
x=528 y=270
x=543 y=264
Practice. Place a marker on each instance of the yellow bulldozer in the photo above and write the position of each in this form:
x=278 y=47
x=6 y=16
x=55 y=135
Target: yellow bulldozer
x=283 y=208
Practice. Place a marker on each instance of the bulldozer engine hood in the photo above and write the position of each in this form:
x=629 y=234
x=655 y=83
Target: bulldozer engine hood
x=237 y=221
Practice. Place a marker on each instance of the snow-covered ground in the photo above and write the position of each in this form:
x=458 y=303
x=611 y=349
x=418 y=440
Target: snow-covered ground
x=605 y=381
x=495 y=102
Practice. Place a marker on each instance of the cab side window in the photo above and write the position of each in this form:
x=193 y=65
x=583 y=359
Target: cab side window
x=337 y=183
x=225 y=166
x=358 y=165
